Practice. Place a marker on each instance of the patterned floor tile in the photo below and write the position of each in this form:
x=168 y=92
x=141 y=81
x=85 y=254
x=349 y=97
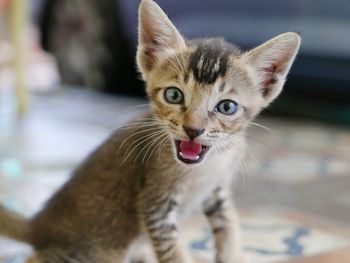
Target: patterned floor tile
x=337 y=256
x=266 y=238
x=269 y=237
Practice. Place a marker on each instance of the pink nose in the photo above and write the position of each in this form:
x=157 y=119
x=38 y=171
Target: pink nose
x=192 y=132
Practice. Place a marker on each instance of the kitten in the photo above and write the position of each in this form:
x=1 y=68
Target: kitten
x=180 y=156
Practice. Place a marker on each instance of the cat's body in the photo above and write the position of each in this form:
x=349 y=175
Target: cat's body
x=100 y=202
x=179 y=158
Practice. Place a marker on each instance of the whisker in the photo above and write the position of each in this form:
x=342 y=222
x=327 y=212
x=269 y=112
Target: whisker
x=162 y=145
x=246 y=149
x=135 y=124
x=245 y=136
x=149 y=146
x=142 y=105
x=226 y=143
x=241 y=164
x=153 y=137
x=156 y=146
x=136 y=133
x=262 y=127
x=140 y=140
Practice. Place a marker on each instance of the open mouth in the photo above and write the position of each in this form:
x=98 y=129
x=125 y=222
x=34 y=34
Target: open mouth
x=190 y=152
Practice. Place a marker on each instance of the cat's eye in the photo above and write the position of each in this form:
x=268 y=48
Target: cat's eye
x=227 y=107
x=173 y=95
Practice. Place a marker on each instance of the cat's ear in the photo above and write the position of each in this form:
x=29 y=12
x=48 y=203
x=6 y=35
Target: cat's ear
x=157 y=36
x=271 y=63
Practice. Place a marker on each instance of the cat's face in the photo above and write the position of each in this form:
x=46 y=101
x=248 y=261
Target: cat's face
x=206 y=92
x=202 y=93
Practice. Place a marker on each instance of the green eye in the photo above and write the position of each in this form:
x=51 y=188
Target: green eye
x=227 y=107
x=173 y=95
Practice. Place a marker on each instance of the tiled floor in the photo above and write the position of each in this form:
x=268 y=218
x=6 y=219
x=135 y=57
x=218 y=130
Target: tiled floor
x=293 y=192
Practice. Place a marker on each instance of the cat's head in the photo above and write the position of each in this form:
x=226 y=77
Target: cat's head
x=206 y=91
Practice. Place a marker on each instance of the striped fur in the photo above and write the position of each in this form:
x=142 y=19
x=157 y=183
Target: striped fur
x=225 y=226
x=132 y=191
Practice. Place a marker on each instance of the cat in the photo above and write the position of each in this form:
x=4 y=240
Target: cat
x=180 y=156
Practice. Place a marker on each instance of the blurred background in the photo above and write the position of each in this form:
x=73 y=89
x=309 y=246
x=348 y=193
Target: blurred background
x=68 y=78
x=94 y=43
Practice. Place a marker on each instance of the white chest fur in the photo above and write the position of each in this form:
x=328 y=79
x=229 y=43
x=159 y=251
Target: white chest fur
x=203 y=180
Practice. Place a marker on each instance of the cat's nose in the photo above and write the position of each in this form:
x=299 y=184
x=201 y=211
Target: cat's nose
x=192 y=132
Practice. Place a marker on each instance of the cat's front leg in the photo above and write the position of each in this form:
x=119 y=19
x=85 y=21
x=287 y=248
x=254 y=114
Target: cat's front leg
x=159 y=219
x=224 y=222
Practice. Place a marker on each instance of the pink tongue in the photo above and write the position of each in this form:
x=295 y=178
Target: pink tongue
x=190 y=150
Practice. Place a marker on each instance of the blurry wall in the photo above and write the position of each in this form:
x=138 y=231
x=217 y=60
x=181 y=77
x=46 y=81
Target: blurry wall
x=97 y=41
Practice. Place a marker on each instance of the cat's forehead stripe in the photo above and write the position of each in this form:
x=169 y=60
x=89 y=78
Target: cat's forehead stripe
x=209 y=61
